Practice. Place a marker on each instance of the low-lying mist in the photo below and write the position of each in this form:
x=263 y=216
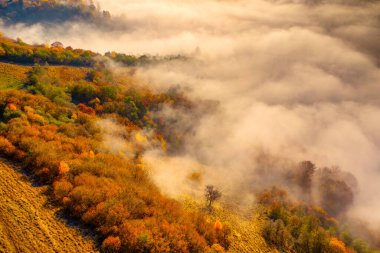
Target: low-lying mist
x=294 y=80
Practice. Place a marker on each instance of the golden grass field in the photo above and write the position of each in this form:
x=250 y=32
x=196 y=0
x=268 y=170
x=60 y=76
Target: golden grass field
x=246 y=231
x=68 y=74
x=29 y=224
x=246 y=226
x=14 y=76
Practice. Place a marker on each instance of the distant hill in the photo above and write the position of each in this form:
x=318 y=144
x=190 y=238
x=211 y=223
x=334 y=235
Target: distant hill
x=51 y=12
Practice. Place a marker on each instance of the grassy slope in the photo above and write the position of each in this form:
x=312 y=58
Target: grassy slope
x=28 y=224
x=246 y=226
x=67 y=73
x=246 y=231
x=13 y=76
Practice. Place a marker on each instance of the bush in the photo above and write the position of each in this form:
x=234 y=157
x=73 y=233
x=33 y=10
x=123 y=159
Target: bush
x=9 y=114
x=83 y=93
x=111 y=244
x=108 y=93
x=6 y=147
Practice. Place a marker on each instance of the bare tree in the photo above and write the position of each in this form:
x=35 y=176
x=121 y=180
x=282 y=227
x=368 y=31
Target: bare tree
x=211 y=195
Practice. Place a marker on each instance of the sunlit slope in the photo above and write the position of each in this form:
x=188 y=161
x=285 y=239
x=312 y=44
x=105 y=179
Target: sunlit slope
x=246 y=226
x=246 y=231
x=27 y=224
x=13 y=75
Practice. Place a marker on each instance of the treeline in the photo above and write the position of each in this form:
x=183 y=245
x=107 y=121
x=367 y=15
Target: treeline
x=53 y=129
x=133 y=60
x=19 y=52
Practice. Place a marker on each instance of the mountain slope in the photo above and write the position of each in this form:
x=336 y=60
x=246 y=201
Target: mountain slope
x=27 y=224
x=54 y=123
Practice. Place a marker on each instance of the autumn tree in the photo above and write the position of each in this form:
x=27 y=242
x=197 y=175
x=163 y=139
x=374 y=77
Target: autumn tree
x=211 y=194
x=111 y=244
x=278 y=235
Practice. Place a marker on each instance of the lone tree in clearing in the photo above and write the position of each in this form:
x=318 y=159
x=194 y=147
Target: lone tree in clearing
x=211 y=195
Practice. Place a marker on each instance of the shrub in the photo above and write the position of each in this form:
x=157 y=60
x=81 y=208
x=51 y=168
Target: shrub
x=111 y=244
x=6 y=147
x=108 y=93
x=62 y=188
x=83 y=93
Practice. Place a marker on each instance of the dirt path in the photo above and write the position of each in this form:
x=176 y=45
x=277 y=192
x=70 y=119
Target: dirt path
x=28 y=225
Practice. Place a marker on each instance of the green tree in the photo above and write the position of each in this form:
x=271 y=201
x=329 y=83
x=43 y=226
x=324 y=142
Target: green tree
x=108 y=93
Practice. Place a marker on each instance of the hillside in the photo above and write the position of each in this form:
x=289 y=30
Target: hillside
x=83 y=133
x=28 y=223
x=55 y=122
x=13 y=76
x=246 y=230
